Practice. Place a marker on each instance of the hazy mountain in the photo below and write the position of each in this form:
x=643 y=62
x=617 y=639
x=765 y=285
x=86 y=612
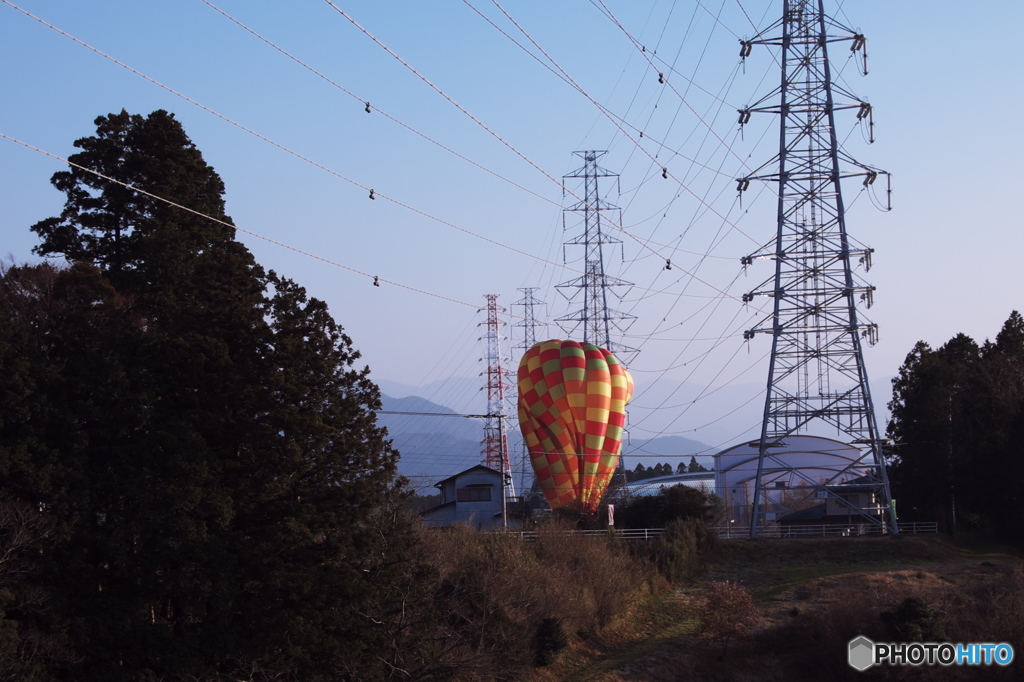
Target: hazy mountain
x=435 y=447
x=464 y=395
x=432 y=447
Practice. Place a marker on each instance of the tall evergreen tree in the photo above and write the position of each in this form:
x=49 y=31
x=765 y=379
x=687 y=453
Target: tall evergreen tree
x=997 y=418
x=141 y=243
x=212 y=451
x=931 y=444
x=695 y=466
x=957 y=417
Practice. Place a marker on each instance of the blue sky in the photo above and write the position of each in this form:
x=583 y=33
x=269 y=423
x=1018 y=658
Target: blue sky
x=943 y=82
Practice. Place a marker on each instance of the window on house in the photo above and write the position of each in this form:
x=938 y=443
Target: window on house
x=475 y=494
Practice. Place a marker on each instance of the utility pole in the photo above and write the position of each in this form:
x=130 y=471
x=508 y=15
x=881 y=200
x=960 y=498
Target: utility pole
x=817 y=374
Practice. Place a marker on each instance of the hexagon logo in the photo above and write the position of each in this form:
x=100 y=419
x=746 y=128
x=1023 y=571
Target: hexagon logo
x=862 y=653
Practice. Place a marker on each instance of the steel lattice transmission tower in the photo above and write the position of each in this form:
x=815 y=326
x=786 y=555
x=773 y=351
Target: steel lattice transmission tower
x=529 y=323
x=495 y=442
x=595 y=317
x=817 y=375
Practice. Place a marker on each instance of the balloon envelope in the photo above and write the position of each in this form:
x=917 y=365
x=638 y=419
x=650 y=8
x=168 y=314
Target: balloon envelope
x=572 y=410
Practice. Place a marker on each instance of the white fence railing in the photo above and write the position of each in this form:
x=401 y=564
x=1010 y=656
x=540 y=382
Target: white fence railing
x=629 y=533
x=825 y=530
x=734 y=532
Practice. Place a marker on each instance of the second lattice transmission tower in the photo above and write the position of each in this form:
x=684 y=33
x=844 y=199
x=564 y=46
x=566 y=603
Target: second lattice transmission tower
x=597 y=321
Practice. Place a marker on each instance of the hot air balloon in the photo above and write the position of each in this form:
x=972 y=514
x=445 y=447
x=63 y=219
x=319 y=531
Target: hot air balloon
x=572 y=402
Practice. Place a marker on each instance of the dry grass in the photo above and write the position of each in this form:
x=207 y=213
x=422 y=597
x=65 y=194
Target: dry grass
x=812 y=623
x=486 y=605
x=815 y=596
x=489 y=606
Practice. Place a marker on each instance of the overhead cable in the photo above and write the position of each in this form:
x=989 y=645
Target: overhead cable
x=376 y=109
x=441 y=92
x=616 y=121
x=639 y=47
x=498 y=137
x=374 y=194
x=375 y=278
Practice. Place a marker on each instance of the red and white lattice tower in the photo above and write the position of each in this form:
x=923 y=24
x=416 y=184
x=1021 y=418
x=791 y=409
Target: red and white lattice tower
x=495 y=442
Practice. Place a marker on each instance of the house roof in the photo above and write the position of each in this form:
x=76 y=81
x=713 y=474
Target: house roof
x=860 y=483
x=463 y=473
x=433 y=509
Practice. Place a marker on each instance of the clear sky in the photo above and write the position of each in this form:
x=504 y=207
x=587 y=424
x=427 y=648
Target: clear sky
x=944 y=82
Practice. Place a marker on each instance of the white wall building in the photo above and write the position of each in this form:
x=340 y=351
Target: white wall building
x=472 y=497
x=791 y=472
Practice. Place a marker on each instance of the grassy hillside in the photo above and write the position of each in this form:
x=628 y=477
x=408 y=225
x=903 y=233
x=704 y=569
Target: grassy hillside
x=811 y=598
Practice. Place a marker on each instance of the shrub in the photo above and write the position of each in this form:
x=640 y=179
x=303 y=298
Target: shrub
x=674 y=502
x=915 y=620
x=491 y=605
x=681 y=551
x=684 y=547
x=549 y=641
x=728 y=611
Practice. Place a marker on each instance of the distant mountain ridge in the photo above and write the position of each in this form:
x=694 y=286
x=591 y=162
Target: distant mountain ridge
x=431 y=447
x=434 y=447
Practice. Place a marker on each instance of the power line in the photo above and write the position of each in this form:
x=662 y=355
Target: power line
x=375 y=278
x=608 y=13
x=437 y=414
x=376 y=109
x=441 y=92
x=373 y=194
x=567 y=78
x=498 y=137
x=619 y=123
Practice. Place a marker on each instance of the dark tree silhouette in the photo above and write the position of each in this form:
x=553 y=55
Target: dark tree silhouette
x=197 y=431
x=957 y=421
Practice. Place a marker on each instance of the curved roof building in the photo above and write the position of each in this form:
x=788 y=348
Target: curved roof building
x=795 y=475
x=703 y=480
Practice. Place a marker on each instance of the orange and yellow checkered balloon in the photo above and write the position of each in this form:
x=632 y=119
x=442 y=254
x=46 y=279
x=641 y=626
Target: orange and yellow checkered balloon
x=572 y=410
